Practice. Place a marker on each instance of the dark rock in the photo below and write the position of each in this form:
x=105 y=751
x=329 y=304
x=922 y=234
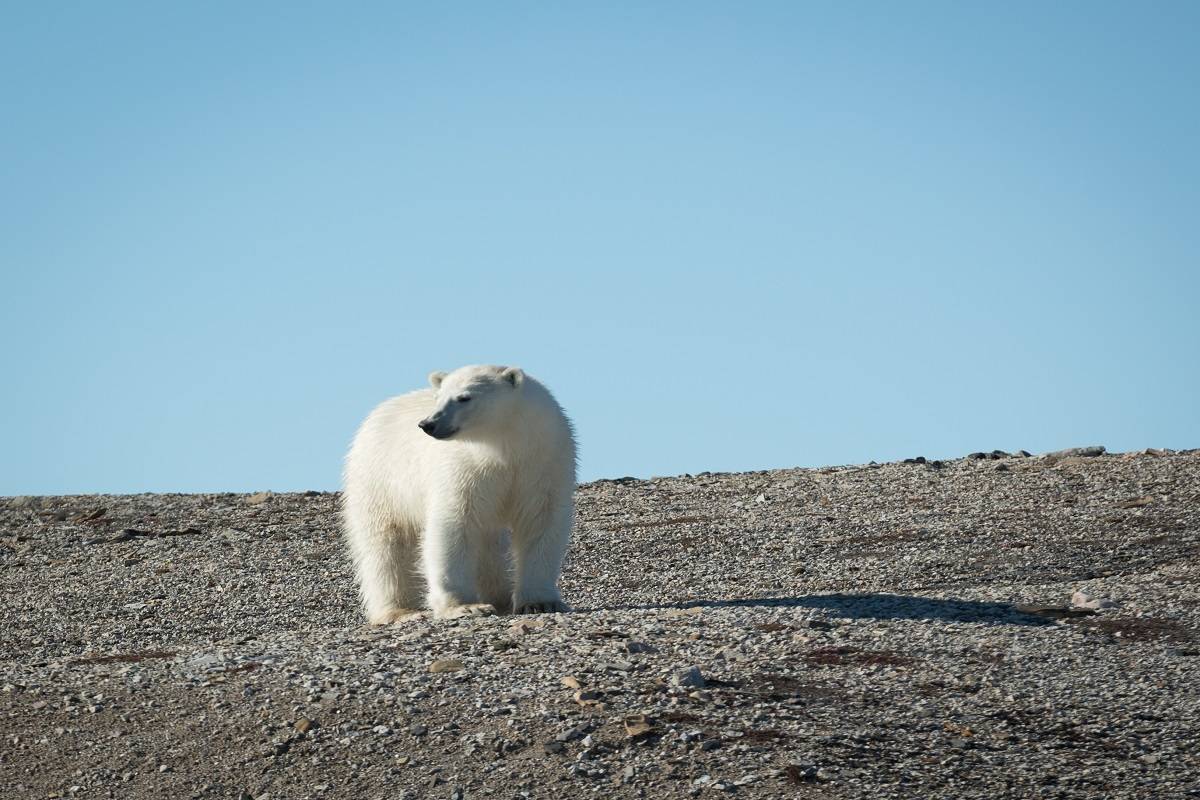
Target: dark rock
x=801 y=773
x=1054 y=612
x=688 y=678
x=1084 y=452
x=571 y=734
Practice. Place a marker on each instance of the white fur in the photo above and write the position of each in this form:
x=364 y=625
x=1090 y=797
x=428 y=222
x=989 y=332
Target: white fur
x=456 y=511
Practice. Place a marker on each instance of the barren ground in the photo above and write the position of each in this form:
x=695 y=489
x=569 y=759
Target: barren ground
x=894 y=630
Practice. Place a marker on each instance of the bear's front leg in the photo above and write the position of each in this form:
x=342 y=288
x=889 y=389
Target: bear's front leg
x=450 y=556
x=539 y=546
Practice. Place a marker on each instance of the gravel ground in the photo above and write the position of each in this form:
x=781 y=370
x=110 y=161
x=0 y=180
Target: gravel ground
x=895 y=630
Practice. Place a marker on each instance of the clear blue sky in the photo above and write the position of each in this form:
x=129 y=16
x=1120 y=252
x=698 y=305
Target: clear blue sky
x=728 y=236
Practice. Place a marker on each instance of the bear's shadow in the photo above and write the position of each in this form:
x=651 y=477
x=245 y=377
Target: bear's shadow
x=876 y=606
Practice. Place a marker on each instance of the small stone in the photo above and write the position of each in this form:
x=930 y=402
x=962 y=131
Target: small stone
x=1078 y=452
x=304 y=725
x=709 y=745
x=1137 y=502
x=381 y=730
x=571 y=734
x=1083 y=600
x=1052 y=612
x=554 y=748
x=801 y=773
x=418 y=730
x=638 y=647
x=164 y=768
x=1002 y=468
x=1148 y=759
x=637 y=725
x=676 y=613
x=688 y=678
x=525 y=626
x=976 y=456
x=446 y=665
x=234 y=535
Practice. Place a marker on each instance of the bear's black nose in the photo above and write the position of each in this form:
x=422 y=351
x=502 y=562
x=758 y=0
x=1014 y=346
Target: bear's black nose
x=426 y=425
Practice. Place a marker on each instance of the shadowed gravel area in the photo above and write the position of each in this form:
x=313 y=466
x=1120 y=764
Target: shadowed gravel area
x=996 y=626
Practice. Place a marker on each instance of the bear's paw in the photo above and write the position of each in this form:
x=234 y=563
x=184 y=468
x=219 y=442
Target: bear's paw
x=543 y=607
x=396 y=616
x=467 y=610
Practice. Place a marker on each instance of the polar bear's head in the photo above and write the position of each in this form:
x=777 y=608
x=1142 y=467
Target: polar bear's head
x=472 y=401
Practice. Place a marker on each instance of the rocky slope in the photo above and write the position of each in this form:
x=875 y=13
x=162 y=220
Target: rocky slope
x=898 y=630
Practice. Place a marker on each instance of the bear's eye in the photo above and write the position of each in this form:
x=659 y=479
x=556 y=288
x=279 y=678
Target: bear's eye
x=463 y=398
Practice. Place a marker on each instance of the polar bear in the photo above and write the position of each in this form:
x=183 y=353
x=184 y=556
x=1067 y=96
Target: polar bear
x=470 y=485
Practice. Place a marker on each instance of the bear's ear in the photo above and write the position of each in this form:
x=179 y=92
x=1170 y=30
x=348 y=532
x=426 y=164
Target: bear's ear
x=513 y=375
x=436 y=378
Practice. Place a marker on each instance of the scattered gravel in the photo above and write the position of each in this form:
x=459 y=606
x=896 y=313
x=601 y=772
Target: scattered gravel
x=931 y=629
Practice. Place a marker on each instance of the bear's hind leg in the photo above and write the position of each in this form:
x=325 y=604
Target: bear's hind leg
x=389 y=583
x=539 y=546
x=493 y=571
